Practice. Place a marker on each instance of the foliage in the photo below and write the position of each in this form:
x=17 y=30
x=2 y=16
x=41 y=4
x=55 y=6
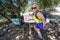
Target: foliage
x=2 y=21
x=47 y=3
x=14 y=7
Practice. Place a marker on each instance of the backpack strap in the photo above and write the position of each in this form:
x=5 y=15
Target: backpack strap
x=36 y=14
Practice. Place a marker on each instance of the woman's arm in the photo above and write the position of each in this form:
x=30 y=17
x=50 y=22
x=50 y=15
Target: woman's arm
x=41 y=16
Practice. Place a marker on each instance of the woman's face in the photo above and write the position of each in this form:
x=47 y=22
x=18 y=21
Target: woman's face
x=34 y=8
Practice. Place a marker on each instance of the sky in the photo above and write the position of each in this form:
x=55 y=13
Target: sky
x=31 y=1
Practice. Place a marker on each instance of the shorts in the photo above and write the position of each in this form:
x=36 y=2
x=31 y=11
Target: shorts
x=39 y=25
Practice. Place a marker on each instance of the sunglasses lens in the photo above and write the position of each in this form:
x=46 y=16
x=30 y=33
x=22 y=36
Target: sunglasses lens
x=33 y=8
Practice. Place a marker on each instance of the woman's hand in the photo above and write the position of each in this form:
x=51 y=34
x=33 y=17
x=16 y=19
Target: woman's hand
x=44 y=27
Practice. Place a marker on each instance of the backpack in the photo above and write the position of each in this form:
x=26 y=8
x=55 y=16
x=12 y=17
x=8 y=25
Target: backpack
x=43 y=12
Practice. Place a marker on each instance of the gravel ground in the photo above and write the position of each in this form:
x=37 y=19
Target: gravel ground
x=17 y=33
x=11 y=32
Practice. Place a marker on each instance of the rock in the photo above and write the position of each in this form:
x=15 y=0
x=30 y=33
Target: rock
x=1 y=32
x=17 y=37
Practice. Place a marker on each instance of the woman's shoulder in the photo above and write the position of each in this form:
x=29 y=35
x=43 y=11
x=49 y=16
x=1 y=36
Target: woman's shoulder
x=39 y=13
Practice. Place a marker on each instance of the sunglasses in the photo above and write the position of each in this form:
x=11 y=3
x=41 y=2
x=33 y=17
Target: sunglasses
x=33 y=8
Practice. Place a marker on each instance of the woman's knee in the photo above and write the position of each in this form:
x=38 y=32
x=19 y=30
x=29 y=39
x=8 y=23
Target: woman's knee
x=37 y=30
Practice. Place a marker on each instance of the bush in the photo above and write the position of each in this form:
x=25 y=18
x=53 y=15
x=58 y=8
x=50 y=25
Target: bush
x=3 y=21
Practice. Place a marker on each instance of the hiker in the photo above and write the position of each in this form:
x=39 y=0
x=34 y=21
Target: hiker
x=39 y=20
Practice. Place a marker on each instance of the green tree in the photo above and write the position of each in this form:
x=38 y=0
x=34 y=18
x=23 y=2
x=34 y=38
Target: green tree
x=47 y=3
x=12 y=7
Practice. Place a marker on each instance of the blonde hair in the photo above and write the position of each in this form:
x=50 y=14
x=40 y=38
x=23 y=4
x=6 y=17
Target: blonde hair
x=35 y=5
